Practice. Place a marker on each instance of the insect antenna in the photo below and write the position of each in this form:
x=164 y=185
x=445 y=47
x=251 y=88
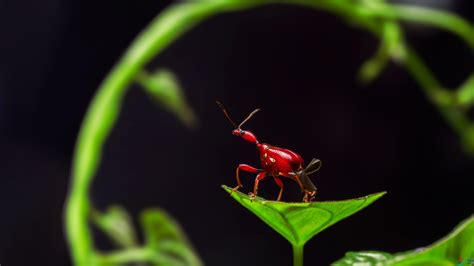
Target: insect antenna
x=248 y=117
x=226 y=114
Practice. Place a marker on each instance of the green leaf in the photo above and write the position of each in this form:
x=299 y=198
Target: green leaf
x=459 y=244
x=299 y=222
x=163 y=235
x=165 y=242
x=364 y=258
x=163 y=86
x=116 y=224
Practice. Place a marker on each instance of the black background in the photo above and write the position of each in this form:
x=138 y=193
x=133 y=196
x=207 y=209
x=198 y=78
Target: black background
x=297 y=64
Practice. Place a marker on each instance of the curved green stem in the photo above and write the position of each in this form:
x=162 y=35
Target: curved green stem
x=429 y=16
x=298 y=255
x=104 y=109
x=433 y=88
x=443 y=99
x=136 y=255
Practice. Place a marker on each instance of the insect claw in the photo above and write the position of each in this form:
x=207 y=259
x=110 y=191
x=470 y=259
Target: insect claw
x=306 y=198
x=252 y=196
x=235 y=189
x=309 y=196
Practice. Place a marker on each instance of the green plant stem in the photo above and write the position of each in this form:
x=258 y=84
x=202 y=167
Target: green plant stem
x=298 y=255
x=166 y=28
x=103 y=111
x=143 y=255
x=437 y=18
x=443 y=99
x=432 y=88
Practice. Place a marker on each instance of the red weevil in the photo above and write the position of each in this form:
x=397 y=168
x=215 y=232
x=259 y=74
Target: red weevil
x=275 y=162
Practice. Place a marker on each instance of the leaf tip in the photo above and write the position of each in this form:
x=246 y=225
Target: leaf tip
x=377 y=194
x=226 y=188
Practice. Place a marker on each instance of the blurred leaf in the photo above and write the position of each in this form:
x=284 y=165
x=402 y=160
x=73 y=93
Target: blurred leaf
x=163 y=86
x=372 y=68
x=163 y=235
x=137 y=257
x=165 y=242
x=466 y=92
x=116 y=224
x=299 y=222
x=391 y=47
x=457 y=245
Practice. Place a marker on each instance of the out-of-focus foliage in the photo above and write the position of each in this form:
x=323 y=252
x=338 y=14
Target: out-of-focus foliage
x=117 y=224
x=391 y=48
x=377 y=17
x=163 y=235
x=165 y=243
x=163 y=86
x=450 y=250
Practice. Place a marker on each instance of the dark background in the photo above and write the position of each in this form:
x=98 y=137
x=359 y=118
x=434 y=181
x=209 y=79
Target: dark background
x=297 y=64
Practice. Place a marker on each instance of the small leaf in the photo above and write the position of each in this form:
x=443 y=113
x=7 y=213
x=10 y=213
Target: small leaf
x=391 y=47
x=457 y=245
x=163 y=86
x=372 y=68
x=163 y=235
x=299 y=222
x=466 y=92
x=116 y=224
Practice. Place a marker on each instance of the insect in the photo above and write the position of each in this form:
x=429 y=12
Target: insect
x=275 y=162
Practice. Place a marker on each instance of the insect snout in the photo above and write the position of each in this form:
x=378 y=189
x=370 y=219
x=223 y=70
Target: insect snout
x=237 y=132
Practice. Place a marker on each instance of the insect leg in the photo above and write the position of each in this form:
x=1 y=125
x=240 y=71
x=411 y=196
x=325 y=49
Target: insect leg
x=243 y=167
x=259 y=177
x=309 y=195
x=280 y=184
x=297 y=179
